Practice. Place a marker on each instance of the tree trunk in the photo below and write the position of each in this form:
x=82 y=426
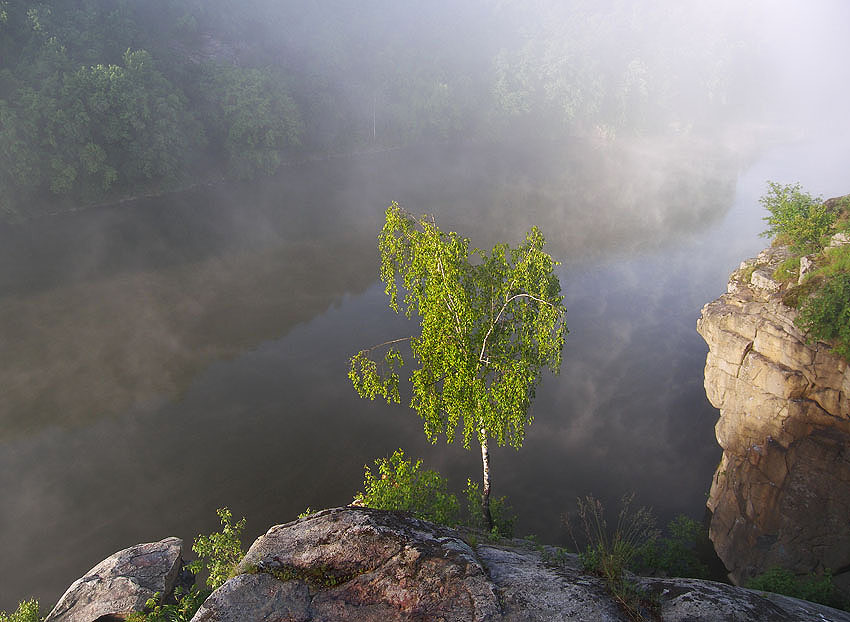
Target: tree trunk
x=485 y=489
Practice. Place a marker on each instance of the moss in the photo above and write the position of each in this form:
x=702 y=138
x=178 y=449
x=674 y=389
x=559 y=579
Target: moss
x=746 y=273
x=796 y=295
x=788 y=270
x=317 y=577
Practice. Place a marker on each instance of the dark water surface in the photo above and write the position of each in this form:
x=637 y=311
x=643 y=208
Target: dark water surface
x=167 y=357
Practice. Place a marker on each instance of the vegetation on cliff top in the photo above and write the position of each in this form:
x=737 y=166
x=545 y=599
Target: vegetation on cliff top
x=807 y=225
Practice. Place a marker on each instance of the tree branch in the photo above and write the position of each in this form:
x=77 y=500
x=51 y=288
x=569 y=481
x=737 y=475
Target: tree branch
x=448 y=295
x=498 y=317
x=387 y=343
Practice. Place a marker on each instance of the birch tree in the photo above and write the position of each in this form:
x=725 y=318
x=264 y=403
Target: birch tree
x=490 y=323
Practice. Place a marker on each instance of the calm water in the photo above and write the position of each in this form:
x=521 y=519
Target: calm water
x=167 y=357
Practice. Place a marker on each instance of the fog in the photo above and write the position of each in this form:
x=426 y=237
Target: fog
x=176 y=345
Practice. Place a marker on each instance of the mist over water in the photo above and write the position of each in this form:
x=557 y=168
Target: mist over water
x=168 y=356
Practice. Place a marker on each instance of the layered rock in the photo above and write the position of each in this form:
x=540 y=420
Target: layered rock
x=781 y=494
x=363 y=565
x=122 y=583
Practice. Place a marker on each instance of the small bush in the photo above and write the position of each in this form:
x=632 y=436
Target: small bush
x=183 y=610
x=400 y=485
x=676 y=555
x=814 y=588
x=796 y=217
x=27 y=611
x=500 y=511
x=218 y=553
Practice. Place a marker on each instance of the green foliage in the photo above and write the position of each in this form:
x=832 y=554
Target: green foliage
x=251 y=116
x=676 y=555
x=814 y=588
x=747 y=273
x=218 y=553
x=27 y=611
x=796 y=217
x=307 y=512
x=185 y=607
x=501 y=512
x=399 y=484
x=788 y=270
x=826 y=314
x=609 y=555
x=489 y=327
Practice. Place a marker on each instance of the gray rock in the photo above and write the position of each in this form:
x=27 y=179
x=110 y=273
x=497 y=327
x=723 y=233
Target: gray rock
x=362 y=565
x=694 y=600
x=122 y=583
x=259 y=598
x=807 y=264
x=531 y=591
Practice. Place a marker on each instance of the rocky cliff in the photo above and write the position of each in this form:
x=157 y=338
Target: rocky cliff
x=364 y=565
x=781 y=494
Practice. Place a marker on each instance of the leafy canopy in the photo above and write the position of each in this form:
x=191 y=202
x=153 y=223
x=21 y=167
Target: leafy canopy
x=490 y=323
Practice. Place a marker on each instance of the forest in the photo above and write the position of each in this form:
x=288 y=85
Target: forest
x=106 y=99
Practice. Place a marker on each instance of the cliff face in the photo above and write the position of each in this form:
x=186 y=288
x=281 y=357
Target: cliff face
x=781 y=494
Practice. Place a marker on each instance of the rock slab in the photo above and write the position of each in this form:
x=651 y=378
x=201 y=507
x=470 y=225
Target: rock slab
x=121 y=583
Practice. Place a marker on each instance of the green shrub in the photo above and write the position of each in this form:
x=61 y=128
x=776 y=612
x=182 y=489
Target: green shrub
x=218 y=553
x=796 y=217
x=826 y=314
x=501 y=513
x=183 y=610
x=27 y=611
x=400 y=485
x=814 y=588
x=676 y=555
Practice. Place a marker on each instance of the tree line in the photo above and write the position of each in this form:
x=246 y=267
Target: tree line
x=105 y=98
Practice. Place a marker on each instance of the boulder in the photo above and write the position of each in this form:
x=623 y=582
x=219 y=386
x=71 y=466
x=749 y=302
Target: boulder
x=781 y=494
x=360 y=564
x=121 y=583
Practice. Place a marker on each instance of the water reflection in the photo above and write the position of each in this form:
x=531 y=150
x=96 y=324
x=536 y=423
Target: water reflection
x=167 y=358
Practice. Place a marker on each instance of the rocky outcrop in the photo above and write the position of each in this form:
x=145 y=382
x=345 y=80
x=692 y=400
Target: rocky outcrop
x=122 y=583
x=363 y=565
x=781 y=494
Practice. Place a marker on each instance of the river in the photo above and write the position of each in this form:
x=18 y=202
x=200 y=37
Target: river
x=170 y=356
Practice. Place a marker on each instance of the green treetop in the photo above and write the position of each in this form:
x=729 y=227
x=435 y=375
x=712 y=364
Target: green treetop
x=489 y=324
